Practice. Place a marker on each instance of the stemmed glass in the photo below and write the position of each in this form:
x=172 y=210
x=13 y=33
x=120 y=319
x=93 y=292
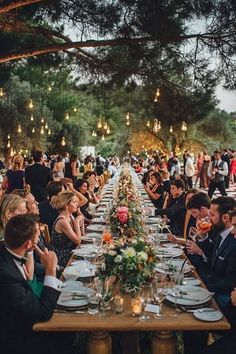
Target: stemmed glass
x=146 y=295
x=160 y=292
x=176 y=282
x=90 y=258
x=162 y=224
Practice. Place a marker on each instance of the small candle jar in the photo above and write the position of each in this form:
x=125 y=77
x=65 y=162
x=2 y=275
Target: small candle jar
x=118 y=304
x=136 y=305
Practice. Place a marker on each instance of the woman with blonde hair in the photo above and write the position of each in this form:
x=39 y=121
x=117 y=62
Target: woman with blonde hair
x=15 y=176
x=10 y=206
x=67 y=230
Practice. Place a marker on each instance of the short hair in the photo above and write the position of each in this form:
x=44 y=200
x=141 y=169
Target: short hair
x=37 y=156
x=179 y=183
x=199 y=200
x=20 y=229
x=217 y=152
x=225 y=204
x=54 y=188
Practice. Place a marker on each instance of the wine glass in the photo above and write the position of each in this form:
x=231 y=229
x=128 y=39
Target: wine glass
x=90 y=258
x=146 y=295
x=162 y=224
x=160 y=292
x=97 y=242
x=176 y=281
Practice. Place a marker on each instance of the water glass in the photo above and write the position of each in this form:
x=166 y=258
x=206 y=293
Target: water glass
x=93 y=303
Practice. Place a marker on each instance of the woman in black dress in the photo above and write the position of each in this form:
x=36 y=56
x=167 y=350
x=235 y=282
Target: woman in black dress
x=155 y=189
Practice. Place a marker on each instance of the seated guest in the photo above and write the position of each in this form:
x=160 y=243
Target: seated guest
x=155 y=189
x=227 y=344
x=47 y=211
x=10 y=205
x=68 y=186
x=175 y=210
x=82 y=186
x=166 y=181
x=91 y=177
x=20 y=307
x=218 y=269
x=66 y=231
x=147 y=175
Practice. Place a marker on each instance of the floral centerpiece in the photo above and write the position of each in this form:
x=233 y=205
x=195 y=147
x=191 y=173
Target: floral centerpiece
x=131 y=262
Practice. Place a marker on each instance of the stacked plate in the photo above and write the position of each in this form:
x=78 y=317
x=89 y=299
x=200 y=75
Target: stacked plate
x=79 y=270
x=89 y=236
x=175 y=264
x=190 y=296
x=95 y=228
x=73 y=296
x=85 y=250
x=165 y=252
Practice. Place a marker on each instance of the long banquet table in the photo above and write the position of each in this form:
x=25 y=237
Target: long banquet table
x=99 y=328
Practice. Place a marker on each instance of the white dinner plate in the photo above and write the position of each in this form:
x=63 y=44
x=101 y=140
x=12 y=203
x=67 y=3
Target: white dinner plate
x=177 y=263
x=84 y=250
x=191 y=281
x=97 y=220
x=72 y=303
x=89 y=236
x=189 y=296
x=208 y=314
x=169 y=252
x=78 y=271
x=96 y=228
x=170 y=245
x=71 y=285
x=152 y=221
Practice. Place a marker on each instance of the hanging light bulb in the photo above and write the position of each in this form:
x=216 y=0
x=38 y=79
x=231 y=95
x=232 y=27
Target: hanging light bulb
x=148 y=123
x=67 y=117
x=103 y=137
x=49 y=131
x=171 y=129
x=49 y=88
x=8 y=144
x=99 y=123
x=108 y=130
x=8 y=136
x=63 y=141
x=156 y=126
x=33 y=130
x=127 y=116
x=31 y=105
x=42 y=121
x=12 y=152
x=95 y=134
x=157 y=95
x=19 y=130
x=159 y=125
x=32 y=118
x=105 y=126
x=46 y=125
x=75 y=109
x=1 y=92
x=128 y=122
x=42 y=130
x=184 y=126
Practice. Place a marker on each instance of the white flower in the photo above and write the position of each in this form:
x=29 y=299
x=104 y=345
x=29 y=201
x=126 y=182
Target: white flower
x=103 y=266
x=112 y=253
x=118 y=259
x=129 y=252
x=143 y=255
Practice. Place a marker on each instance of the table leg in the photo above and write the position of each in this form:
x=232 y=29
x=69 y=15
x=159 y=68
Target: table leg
x=99 y=343
x=163 y=342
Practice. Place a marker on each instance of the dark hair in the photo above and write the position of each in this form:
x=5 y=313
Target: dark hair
x=59 y=158
x=158 y=177
x=73 y=157
x=20 y=229
x=225 y=204
x=87 y=174
x=79 y=182
x=37 y=156
x=199 y=200
x=54 y=188
x=179 y=183
x=217 y=152
x=232 y=213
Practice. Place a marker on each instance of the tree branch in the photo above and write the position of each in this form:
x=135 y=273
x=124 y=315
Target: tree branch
x=16 y=4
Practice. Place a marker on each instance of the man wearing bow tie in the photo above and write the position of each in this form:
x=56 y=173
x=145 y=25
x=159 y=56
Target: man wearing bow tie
x=20 y=305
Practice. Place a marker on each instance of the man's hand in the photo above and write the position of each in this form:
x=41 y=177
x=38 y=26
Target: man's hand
x=233 y=297
x=48 y=259
x=193 y=248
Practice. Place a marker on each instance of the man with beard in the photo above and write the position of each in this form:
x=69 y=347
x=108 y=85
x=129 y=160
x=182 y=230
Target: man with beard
x=219 y=271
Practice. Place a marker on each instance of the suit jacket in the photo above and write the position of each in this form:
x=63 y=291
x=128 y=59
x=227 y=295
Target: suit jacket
x=20 y=308
x=38 y=176
x=220 y=274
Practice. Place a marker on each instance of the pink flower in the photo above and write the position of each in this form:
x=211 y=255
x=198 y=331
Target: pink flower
x=123 y=217
x=122 y=209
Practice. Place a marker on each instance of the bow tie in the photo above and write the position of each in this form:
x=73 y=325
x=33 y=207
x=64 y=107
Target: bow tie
x=22 y=260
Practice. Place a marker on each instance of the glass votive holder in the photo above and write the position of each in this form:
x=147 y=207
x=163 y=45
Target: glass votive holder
x=136 y=305
x=118 y=304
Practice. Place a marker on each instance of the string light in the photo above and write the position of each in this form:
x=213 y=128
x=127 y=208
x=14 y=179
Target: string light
x=75 y=109
x=184 y=126
x=49 y=88
x=67 y=117
x=19 y=130
x=105 y=126
x=127 y=116
x=128 y=122
x=157 y=95
x=103 y=137
x=99 y=123
x=8 y=136
x=32 y=118
x=171 y=129
x=8 y=144
x=108 y=130
x=94 y=133
x=33 y=130
x=1 y=92
x=63 y=141
x=42 y=120
x=46 y=125
x=148 y=123
x=156 y=126
x=31 y=105
x=42 y=130
x=49 y=131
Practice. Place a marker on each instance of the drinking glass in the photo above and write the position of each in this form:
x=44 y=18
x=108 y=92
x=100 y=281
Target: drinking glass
x=146 y=295
x=205 y=224
x=176 y=281
x=90 y=259
x=162 y=224
x=97 y=242
x=93 y=303
x=160 y=292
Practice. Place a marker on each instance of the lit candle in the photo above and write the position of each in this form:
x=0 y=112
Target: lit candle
x=136 y=305
x=118 y=304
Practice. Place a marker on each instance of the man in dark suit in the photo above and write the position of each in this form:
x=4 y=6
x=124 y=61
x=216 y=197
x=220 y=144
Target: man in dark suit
x=225 y=157
x=38 y=176
x=21 y=306
x=176 y=210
